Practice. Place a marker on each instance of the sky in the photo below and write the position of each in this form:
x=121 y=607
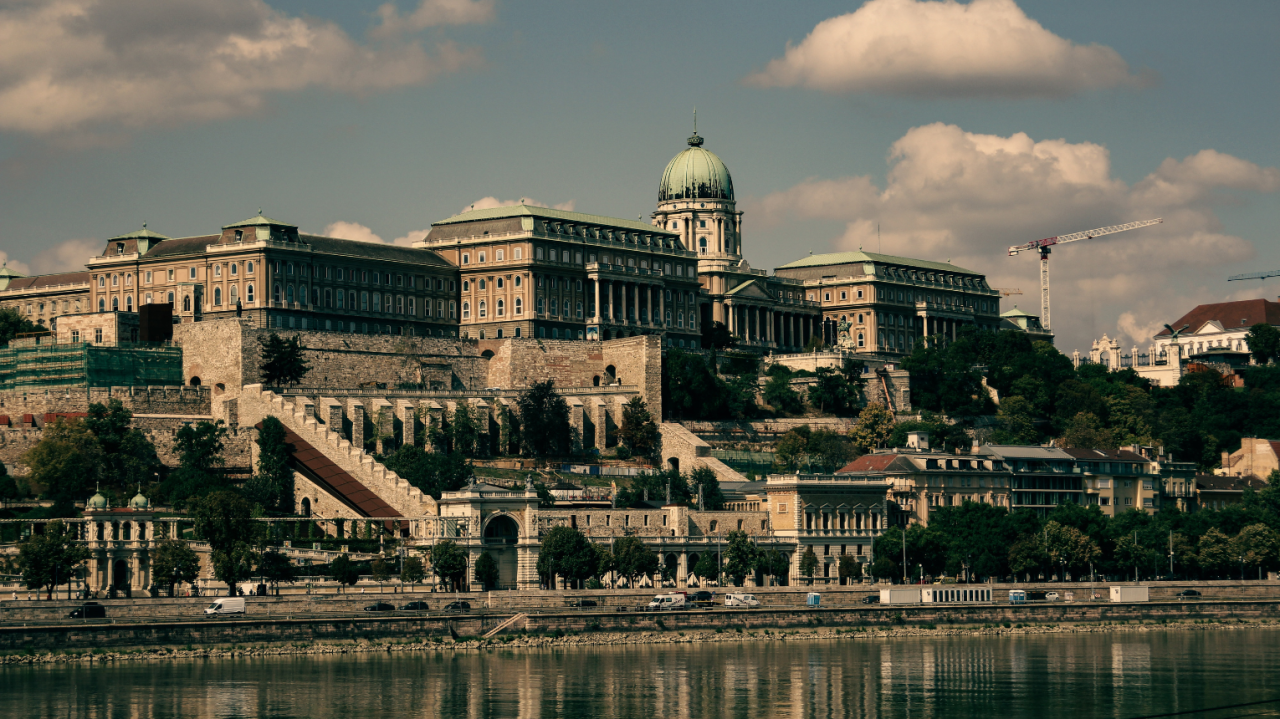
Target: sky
x=935 y=130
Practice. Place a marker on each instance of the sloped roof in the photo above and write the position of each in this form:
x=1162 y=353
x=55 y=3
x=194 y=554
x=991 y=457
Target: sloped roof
x=846 y=258
x=1231 y=315
x=320 y=469
x=1216 y=483
x=869 y=463
x=1122 y=455
x=39 y=281
x=143 y=234
x=498 y=213
x=319 y=243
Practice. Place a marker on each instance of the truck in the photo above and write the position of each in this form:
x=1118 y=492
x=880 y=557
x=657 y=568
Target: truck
x=899 y=596
x=1130 y=594
x=664 y=602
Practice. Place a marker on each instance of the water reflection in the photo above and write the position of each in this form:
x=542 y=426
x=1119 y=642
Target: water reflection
x=1046 y=676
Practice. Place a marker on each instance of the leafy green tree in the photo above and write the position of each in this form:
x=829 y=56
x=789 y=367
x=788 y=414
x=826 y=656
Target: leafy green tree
x=272 y=485
x=708 y=568
x=1017 y=422
x=487 y=571
x=606 y=561
x=740 y=557
x=1258 y=545
x=412 y=572
x=275 y=568
x=173 y=563
x=129 y=458
x=739 y=397
x=633 y=559
x=344 y=571
x=653 y=486
x=199 y=450
x=793 y=448
x=639 y=433
x=873 y=428
x=1085 y=431
x=838 y=391
x=9 y=488
x=885 y=568
x=704 y=479
x=1027 y=555
x=431 y=472
x=223 y=519
x=12 y=324
x=283 y=360
x=1131 y=554
x=1264 y=343
x=449 y=564
x=1068 y=547
x=716 y=336
x=690 y=390
x=1215 y=552
x=809 y=564
x=779 y=395
x=941 y=434
x=463 y=434
x=544 y=416
x=50 y=558
x=380 y=570
x=829 y=451
x=849 y=568
x=567 y=554
x=774 y=564
x=65 y=463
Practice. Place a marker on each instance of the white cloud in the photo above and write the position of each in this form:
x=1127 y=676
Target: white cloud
x=485 y=203
x=987 y=48
x=73 y=64
x=15 y=265
x=68 y=256
x=432 y=13
x=360 y=233
x=967 y=197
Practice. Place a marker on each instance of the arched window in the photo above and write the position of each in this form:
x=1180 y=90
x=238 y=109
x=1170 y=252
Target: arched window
x=217 y=296
x=861 y=340
x=102 y=280
x=248 y=267
x=482 y=309
x=482 y=283
x=501 y=308
x=186 y=303
x=128 y=280
x=234 y=269
x=235 y=295
x=115 y=304
x=364 y=301
x=115 y=280
x=517 y=329
x=289 y=293
x=466 y=310
x=276 y=294
x=579 y=310
x=248 y=294
x=128 y=303
x=466 y=285
x=340 y=297
x=102 y=305
x=519 y=306
x=217 y=272
x=518 y=283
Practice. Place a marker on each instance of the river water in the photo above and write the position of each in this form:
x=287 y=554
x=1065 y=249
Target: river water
x=1122 y=674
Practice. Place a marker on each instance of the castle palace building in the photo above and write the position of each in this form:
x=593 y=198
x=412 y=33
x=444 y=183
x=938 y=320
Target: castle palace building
x=884 y=305
x=696 y=203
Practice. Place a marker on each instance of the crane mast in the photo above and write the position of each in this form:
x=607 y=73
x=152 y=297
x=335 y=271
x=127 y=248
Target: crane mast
x=1045 y=246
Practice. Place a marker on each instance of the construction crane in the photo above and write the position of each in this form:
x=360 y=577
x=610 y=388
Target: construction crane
x=1254 y=276
x=1007 y=291
x=1044 y=247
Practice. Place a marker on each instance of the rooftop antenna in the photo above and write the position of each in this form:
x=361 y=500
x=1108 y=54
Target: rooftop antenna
x=879 y=247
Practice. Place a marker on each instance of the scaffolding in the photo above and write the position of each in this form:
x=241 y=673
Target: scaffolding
x=36 y=365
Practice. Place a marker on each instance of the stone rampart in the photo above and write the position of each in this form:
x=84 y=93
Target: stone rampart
x=683 y=450
x=236 y=452
x=139 y=400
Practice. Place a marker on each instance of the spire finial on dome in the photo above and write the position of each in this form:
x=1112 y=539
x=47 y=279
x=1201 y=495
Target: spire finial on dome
x=695 y=140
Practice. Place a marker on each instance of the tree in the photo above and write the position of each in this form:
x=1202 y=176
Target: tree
x=1027 y=554
x=809 y=563
x=272 y=485
x=708 y=568
x=838 y=391
x=487 y=571
x=9 y=488
x=715 y=337
x=412 y=572
x=1257 y=544
x=690 y=389
x=1129 y=553
x=1215 y=552
x=173 y=563
x=344 y=572
x=199 y=450
x=740 y=557
x=885 y=568
x=792 y=448
x=223 y=519
x=1264 y=343
x=380 y=571
x=1068 y=547
x=633 y=559
x=850 y=569
x=639 y=433
x=275 y=568
x=1085 y=431
x=431 y=472
x=463 y=435
x=49 y=558
x=1017 y=422
x=774 y=564
x=779 y=395
x=606 y=562
x=873 y=428
x=282 y=360
x=449 y=564
x=65 y=463
x=704 y=479
x=828 y=451
x=567 y=554
x=544 y=418
x=12 y=324
x=129 y=458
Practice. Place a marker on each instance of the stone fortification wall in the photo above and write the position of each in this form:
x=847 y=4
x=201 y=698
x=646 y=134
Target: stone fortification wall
x=139 y=400
x=237 y=452
x=638 y=361
x=683 y=450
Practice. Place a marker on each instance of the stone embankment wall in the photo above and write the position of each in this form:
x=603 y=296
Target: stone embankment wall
x=281 y=626
x=184 y=401
x=762 y=435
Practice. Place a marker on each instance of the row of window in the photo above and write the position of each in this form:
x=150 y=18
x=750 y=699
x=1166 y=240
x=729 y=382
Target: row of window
x=371 y=277
x=901 y=296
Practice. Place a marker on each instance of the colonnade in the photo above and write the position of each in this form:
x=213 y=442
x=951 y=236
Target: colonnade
x=763 y=324
x=637 y=302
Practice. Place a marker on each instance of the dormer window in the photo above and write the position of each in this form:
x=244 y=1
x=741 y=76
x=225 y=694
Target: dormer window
x=119 y=248
x=239 y=235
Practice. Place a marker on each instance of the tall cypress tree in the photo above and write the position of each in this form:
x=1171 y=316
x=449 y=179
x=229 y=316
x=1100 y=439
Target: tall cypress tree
x=272 y=485
x=282 y=360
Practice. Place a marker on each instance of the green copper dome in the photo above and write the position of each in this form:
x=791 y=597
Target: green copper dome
x=696 y=174
x=139 y=502
x=97 y=501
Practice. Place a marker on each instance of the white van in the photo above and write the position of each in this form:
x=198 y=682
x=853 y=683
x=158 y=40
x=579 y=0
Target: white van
x=741 y=600
x=227 y=605
x=664 y=602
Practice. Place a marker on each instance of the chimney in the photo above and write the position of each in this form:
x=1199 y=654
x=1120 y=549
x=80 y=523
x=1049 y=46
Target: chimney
x=918 y=440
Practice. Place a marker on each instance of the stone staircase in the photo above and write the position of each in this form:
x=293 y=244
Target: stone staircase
x=508 y=624
x=255 y=403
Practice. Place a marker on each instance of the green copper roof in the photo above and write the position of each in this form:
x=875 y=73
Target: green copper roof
x=695 y=174
x=143 y=234
x=7 y=273
x=849 y=258
x=258 y=221
x=1015 y=312
x=498 y=213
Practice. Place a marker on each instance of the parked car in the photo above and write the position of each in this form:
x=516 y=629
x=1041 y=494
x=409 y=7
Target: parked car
x=703 y=599
x=1051 y=596
x=415 y=607
x=90 y=610
x=580 y=602
x=226 y=605
x=380 y=607
x=1188 y=593
x=458 y=606
x=747 y=601
x=871 y=599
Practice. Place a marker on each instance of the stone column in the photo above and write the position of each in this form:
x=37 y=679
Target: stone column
x=635 y=289
x=682 y=570
x=662 y=306
x=597 y=291
x=383 y=422
x=432 y=418
x=408 y=422
x=355 y=412
x=623 y=294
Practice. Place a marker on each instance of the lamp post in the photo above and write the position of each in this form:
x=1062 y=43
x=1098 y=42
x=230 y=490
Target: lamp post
x=1242 y=567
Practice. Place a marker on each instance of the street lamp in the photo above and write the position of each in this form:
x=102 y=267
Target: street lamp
x=1242 y=567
